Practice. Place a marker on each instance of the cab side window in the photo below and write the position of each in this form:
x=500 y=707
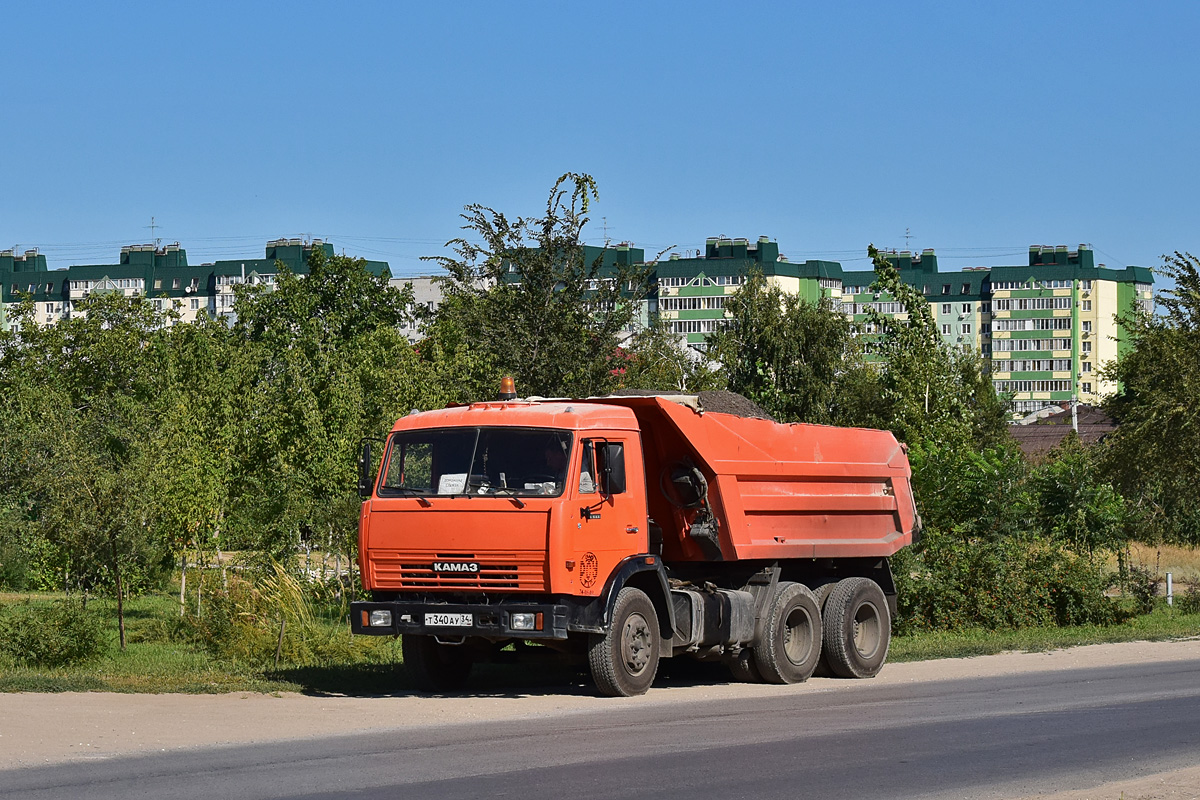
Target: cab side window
x=587 y=468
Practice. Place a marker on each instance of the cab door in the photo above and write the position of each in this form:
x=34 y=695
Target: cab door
x=611 y=493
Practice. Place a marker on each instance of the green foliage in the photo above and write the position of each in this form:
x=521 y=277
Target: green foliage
x=656 y=358
x=246 y=622
x=1188 y=602
x=1153 y=457
x=58 y=635
x=792 y=357
x=975 y=493
x=321 y=364
x=927 y=391
x=952 y=583
x=1074 y=504
x=521 y=299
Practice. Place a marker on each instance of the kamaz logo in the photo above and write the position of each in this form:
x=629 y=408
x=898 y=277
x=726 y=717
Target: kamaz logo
x=455 y=566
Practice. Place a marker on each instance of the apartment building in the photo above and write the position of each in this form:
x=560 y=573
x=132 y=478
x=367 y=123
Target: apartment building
x=1043 y=328
x=161 y=275
x=691 y=291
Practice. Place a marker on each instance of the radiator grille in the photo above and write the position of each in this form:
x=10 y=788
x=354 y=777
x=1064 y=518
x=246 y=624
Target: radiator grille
x=413 y=569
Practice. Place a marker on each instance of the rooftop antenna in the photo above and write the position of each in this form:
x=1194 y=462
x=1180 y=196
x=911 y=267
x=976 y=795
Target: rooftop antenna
x=907 y=236
x=606 y=239
x=153 y=226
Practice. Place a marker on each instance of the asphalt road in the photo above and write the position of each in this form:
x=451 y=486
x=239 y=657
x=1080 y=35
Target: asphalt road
x=980 y=738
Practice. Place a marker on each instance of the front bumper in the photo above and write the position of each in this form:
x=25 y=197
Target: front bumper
x=489 y=621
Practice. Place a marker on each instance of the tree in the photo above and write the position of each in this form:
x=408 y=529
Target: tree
x=84 y=399
x=524 y=301
x=928 y=391
x=796 y=359
x=1074 y=503
x=1153 y=456
x=322 y=365
x=656 y=358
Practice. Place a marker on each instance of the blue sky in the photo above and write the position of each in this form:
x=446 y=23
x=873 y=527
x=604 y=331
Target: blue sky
x=982 y=128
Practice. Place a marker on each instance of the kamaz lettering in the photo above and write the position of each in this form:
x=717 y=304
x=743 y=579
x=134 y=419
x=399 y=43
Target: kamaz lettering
x=455 y=566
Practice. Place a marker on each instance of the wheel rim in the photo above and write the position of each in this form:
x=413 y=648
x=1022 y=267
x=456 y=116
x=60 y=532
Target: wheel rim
x=637 y=641
x=798 y=636
x=868 y=630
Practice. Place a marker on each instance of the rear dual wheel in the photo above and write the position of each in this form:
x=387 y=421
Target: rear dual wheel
x=789 y=645
x=857 y=629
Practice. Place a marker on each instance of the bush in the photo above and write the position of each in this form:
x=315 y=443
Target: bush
x=241 y=623
x=1141 y=584
x=50 y=636
x=1189 y=601
x=952 y=582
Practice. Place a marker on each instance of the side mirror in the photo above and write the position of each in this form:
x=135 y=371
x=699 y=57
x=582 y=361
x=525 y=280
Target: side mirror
x=611 y=467
x=365 y=483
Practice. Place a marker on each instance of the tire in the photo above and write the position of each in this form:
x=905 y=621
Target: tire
x=743 y=667
x=789 y=646
x=624 y=660
x=822 y=593
x=858 y=629
x=435 y=667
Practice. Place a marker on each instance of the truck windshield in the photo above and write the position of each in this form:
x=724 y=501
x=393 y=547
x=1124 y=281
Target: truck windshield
x=477 y=461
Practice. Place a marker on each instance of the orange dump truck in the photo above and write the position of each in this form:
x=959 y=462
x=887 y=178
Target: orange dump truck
x=623 y=530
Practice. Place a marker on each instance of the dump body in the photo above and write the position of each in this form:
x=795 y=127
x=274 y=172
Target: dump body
x=778 y=491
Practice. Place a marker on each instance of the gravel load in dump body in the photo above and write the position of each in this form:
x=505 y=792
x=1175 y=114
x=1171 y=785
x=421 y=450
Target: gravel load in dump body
x=721 y=401
x=726 y=402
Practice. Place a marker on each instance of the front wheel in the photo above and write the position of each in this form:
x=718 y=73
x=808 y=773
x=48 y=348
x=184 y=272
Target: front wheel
x=625 y=659
x=435 y=667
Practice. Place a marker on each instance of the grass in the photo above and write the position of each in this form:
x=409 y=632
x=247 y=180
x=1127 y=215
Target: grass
x=1163 y=624
x=154 y=661
x=1182 y=562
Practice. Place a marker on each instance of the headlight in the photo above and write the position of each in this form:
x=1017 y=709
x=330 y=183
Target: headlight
x=521 y=622
x=381 y=618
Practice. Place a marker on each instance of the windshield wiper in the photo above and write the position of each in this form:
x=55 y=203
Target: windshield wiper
x=507 y=492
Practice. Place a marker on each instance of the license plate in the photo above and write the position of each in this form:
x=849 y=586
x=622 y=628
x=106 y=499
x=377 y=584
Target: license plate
x=449 y=620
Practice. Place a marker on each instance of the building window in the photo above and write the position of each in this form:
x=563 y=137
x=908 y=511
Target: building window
x=1087 y=326
x=1087 y=305
x=945 y=288
x=966 y=328
x=1087 y=347
x=945 y=330
x=966 y=308
x=946 y=309
x=966 y=288
x=1087 y=366
x=986 y=307
x=1087 y=387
